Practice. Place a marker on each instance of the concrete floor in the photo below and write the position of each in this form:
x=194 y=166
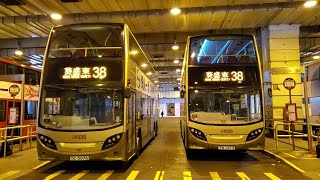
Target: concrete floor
x=166 y=153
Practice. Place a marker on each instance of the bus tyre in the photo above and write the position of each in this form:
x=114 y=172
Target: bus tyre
x=189 y=153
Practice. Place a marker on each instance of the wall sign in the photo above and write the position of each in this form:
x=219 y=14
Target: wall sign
x=14 y=90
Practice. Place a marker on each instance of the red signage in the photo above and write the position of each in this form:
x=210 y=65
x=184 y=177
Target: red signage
x=14 y=90
x=29 y=91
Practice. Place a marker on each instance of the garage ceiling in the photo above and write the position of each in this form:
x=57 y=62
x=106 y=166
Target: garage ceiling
x=155 y=28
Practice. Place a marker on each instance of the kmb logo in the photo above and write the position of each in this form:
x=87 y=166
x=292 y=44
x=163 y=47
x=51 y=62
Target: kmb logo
x=79 y=137
x=31 y=92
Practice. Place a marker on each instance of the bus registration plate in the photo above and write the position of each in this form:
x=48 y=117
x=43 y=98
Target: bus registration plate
x=226 y=148
x=79 y=158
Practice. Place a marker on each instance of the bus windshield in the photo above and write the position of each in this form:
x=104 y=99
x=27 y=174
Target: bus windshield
x=86 y=40
x=221 y=50
x=81 y=108
x=225 y=105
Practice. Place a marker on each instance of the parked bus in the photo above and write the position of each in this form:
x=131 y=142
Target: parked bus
x=221 y=84
x=96 y=100
x=26 y=101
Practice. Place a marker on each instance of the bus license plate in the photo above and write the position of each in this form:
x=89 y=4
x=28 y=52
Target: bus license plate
x=226 y=148
x=79 y=158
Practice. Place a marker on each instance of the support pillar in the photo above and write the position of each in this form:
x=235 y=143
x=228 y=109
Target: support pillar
x=281 y=60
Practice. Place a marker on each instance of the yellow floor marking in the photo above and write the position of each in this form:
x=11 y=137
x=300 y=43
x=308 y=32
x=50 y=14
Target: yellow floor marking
x=290 y=155
x=79 y=175
x=105 y=175
x=42 y=164
x=272 y=176
x=159 y=175
x=51 y=176
x=7 y=174
x=215 y=176
x=132 y=175
x=286 y=161
x=187 y=175
x=243 y=176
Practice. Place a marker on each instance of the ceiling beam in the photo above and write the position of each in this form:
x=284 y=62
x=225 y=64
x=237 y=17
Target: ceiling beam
x=168 y=68
x=101 y=16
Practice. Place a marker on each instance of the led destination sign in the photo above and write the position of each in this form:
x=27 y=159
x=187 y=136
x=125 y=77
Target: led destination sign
x=85 y=72
x=224 y=76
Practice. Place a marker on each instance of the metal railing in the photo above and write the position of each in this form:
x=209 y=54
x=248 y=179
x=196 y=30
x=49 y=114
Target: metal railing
x=291 y=132
x=5 y=137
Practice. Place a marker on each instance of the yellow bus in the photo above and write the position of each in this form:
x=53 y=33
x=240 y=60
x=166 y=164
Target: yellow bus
x=221 y=83
x=97 y=100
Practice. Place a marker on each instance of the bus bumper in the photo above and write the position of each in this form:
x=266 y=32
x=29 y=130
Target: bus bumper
x=113 y=154
x=256 y=144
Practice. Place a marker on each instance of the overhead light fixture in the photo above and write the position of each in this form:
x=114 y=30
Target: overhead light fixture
x=176 y=61
x=175 y=46
x=175 y=11
x=56 y=16
x=196 y=91
x=179 y=83
x=155 y=81
x=149 y=73
x=144 y=65
x=158 y=85
x=178 y=79
x=316 y=57
x=196 y=82
x=134 y=52
x=178 y=70
x=193 y=55
x=99 y=56
x=22 y=65
x=18 y=52
x=309 y=4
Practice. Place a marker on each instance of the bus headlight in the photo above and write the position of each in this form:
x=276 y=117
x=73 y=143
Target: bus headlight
x=254 y=134
x=198 y=134
x=47 y=141
x=111 y=141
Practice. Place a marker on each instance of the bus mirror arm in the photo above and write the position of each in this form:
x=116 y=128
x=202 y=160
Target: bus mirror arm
x=127 y=92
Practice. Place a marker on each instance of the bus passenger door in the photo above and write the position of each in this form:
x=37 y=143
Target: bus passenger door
x=131 y=123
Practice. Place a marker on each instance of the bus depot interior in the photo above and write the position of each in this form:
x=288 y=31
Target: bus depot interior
x=97 y=89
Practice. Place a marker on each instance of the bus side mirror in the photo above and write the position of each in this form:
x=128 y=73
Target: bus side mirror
x=182 y=93
x=127 y=93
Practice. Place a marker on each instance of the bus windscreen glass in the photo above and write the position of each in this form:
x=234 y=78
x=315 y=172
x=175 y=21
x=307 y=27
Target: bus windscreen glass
x=74 y=108
x=221 y=50
x=74 y=41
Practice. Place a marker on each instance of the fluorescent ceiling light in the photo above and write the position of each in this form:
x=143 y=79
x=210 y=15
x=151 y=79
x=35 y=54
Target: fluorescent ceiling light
x=56 y=16
x=309 y=4
x=18 y=52
x=144 y=65
x=175 y=11
x=156 y=81
x=176 y=61
x=175 y=47
x=316 y=57
x=149 y=73
x=134 y=52
x=178 y=70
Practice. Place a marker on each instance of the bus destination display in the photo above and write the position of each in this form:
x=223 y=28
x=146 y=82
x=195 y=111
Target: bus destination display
x=85 y=72
x=224 y=76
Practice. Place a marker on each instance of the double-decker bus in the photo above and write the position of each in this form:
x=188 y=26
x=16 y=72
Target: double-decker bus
x=97 y=101
x=26 y=101
x=221 y=83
